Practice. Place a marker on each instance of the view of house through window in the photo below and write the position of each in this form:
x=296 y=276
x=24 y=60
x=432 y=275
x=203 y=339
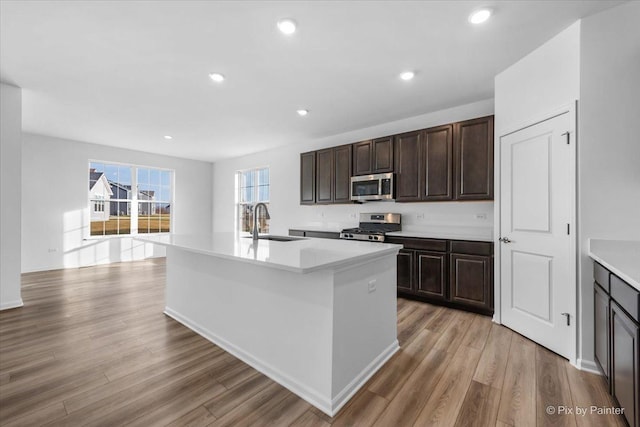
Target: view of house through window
x=115 y=208
x=253 y=187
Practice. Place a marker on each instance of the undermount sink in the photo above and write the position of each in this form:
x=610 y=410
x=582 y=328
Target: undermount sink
x=277 y=238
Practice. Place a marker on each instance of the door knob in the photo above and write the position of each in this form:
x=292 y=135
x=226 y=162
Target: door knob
x=504 y=240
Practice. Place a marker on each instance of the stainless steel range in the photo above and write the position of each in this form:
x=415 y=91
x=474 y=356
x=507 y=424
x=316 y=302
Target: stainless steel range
x=373 y=227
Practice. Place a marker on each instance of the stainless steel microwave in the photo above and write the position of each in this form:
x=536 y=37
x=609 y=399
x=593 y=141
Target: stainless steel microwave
x=372 y=187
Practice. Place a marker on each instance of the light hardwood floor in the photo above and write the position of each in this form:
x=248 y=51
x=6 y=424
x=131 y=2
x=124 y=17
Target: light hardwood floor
x=92 y=347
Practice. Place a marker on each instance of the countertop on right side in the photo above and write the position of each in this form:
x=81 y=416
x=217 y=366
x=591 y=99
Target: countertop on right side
x=621 y=257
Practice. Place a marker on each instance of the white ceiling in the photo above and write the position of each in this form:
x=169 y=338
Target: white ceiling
x=127 y=73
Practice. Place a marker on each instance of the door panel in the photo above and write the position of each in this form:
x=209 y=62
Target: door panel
x=471 y=280
x=624 y=363
x=530 y=197
x=534 y=300
x=437 y=150
x=308 y=178
x=407 y=162
x=536 y=205
x=362 y=152
x=383 y=155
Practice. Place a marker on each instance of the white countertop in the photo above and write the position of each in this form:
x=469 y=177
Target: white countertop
x=300 y=256
x=621 y=257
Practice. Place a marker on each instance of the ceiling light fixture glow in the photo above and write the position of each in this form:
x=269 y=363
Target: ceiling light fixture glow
x=407 y=75
x=287 y=26
x=216 y=77
x=168 y=137
x=480 y=16
x=302 y=112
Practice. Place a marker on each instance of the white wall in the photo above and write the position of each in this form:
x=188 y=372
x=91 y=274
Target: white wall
x=55 y=216
x=10 y=155
x=609 y=143
x=546 y=79
x=286 y=211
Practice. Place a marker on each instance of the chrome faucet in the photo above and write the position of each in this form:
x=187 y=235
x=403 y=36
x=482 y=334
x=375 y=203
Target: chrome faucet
x=255 y=218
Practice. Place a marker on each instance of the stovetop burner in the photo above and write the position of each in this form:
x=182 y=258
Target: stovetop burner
x=372 y=227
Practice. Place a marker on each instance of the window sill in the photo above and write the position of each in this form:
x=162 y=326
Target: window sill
x=118 y=236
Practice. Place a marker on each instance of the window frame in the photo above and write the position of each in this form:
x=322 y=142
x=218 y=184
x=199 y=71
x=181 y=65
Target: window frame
x=238 y=193
x=133 y=230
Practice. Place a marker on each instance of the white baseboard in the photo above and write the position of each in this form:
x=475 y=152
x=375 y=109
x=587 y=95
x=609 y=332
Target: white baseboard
x=352 y=388
x=11 y=304
x=588 y=366
x=326 y=405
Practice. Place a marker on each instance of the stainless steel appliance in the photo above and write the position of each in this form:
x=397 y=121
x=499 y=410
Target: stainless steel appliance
x=372 y=187
x=373 y=226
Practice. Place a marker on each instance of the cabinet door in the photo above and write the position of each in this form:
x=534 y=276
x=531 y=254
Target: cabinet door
x=405 y=270
x=324 y=176
x=382 y=155
x=342 y=173
x=437 y=152
x=407 y=166
x=625 y=363
x=470 y=280
x=601 y=310
x=431 y=274
x=473 y=159
x=308 y=178
x=362 y=158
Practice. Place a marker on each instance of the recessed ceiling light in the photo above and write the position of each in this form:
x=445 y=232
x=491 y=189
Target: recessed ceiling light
x=480 y=16
x=407 y=75
x=287 y=26
x=302 y=112
x=216 y=77
x=168 y=137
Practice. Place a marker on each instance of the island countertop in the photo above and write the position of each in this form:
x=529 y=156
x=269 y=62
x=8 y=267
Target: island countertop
x=301 y=256
x=621 y=257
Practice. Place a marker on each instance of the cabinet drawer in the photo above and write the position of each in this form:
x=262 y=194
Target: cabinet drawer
x=322 y=234
x=601 y=276
x=627 y=297
x=417 y=243
x=471 y=248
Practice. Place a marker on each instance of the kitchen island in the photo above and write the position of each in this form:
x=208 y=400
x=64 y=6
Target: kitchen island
x=317 y=316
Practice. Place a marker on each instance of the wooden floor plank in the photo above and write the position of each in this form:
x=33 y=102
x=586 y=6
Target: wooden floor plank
x=552 y=386
x=480 y=406
x=309 y=419
x=518 y=398
x=67 y=360
x=589 y=390
x=493 y=362
x=446 y=399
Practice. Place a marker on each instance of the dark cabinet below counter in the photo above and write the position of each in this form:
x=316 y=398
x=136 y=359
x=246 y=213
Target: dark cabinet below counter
x=617 y=339
x=454 y=273
x=314 y=233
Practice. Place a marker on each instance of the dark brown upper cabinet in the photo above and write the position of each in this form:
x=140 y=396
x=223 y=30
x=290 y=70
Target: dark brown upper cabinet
x=308 y=178
x=473 y=159
x=408 y=166
x=342 y=174
x=373 y=156
x=325 y=176
x=437 y=161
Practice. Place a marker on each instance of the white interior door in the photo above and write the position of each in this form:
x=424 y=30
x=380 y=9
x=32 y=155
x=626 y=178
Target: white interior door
x=537 y=262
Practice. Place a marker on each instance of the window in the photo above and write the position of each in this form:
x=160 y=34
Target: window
x=253 y=187
x=116 y=208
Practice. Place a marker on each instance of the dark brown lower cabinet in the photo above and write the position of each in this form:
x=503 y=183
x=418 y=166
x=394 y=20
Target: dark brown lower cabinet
x=601 y=328
x=624 y=362
x=431 y=274
x=429 y=270
x=617 y=339
x=314 y=233
x=470 y=279
x=405 y=269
